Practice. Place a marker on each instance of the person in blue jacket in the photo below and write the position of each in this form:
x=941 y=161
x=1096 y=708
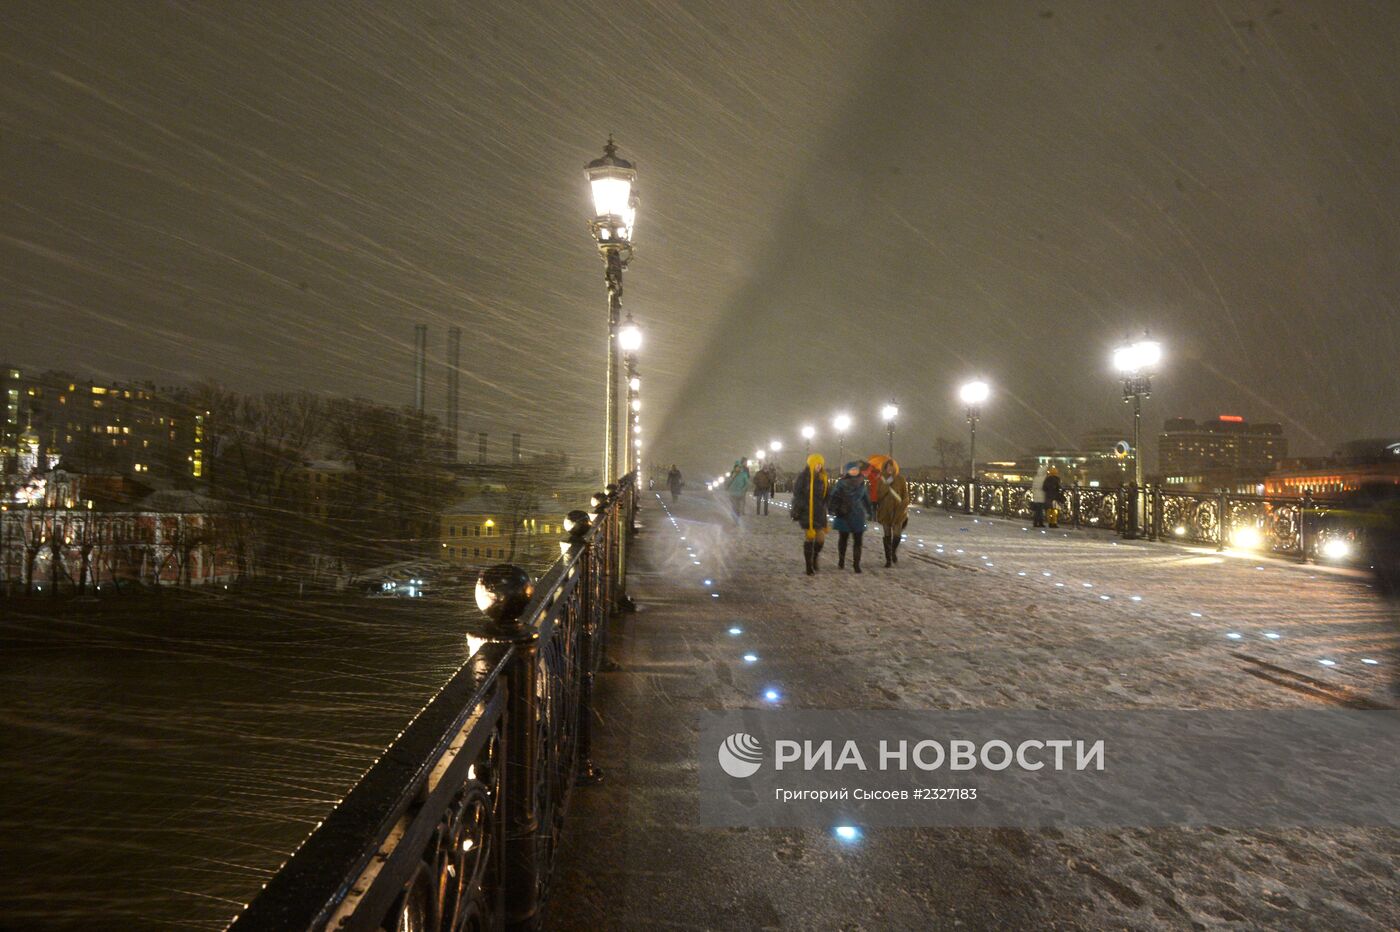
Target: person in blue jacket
x=849 y=505
x=736 y=486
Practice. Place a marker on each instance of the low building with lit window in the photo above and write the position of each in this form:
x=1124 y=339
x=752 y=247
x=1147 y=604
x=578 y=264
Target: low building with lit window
x=1358 y=463
x=499 y=527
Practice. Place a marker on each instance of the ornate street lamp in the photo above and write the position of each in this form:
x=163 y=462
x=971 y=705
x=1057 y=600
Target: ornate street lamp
x=808 y=432
x=612 y=181
x=889 y=412
x=842 y=423
x=1136 y=363
x=973 y=395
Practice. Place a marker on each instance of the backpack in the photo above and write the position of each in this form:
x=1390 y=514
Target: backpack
x=840 y=503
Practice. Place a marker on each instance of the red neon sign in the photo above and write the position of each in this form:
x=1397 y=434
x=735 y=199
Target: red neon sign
x=1232 y=418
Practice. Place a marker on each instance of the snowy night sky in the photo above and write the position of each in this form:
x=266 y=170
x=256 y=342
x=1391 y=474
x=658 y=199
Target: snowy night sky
x=841 y=202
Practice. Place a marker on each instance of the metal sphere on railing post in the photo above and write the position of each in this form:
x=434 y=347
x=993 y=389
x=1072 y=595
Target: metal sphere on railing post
x=612 y=182
x=503 y=591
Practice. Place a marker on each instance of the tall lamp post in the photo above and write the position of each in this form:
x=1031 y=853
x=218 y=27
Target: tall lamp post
x=629 y=340
x=775 y=447
x=889 y=412
x=841 y=423
x=1136 y=362
x=808 y=432
x=612 y=180
x=634 y=407
x=973 y=394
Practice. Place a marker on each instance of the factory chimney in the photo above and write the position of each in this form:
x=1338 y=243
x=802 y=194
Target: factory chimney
x=454 y=361
x=420 y=366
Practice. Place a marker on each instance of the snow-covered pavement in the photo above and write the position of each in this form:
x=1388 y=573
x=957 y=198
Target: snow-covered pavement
x=979 y=613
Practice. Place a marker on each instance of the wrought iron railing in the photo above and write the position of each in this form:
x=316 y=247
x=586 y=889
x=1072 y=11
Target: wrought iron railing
x=457 y=824
x=1287 y=526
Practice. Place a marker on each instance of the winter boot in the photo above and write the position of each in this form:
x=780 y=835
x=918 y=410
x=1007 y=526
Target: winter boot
x=855 y=555
x=809 y=554
x=841 y=553
x=889 y=554
x=894 y=550
x=817 y=555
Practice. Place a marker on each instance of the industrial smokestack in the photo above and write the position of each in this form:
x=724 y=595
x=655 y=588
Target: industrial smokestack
x=454 y=362
x=515 y=449
x=420 y=367
x=481 y=448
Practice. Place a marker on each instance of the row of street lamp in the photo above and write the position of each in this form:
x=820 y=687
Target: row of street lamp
x=613 y=181
x=1136 y=362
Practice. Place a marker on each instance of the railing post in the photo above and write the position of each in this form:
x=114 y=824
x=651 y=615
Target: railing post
x=1074 y=505
x=1224 y=522
x=594 y=612
x=511 y=588
x=1154 y=503
x=1304 y=507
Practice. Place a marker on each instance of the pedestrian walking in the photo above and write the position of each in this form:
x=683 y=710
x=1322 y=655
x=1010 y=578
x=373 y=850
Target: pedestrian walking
x=892 y=508
x=674 y=482
x=849 y=504
x=1038 y=498
x=809 y=510
x=762 y=490
x=736 y=486
x=1054 y=495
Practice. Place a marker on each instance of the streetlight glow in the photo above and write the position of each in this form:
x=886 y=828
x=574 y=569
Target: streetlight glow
x=975 y=392
x=889 y=412
x=808 y=432
x=775 y=445
x=611 y=180
x=634 y=383
x=629 y=337
x=842 y=423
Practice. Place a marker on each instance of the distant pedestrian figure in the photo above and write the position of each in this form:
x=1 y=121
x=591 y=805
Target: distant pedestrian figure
x=736 y=486
x=674 y=482
x=1038 y=498
x=762 y=490
x=849 y=504
x=892 y=508
x=1054 y=495
x=809 y=510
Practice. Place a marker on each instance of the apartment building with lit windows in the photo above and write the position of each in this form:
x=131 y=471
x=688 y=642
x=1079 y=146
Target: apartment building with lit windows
x=122 y=428
x=1227 y=442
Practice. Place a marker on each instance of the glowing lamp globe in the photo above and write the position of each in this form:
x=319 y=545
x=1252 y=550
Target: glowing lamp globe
x=611 y=180
x=975 y=392
x=842 y=423
x=808 y=432
x=629 y=338
x=889 y=412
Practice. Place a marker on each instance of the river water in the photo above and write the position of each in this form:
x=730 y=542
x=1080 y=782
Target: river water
x=160 y=758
